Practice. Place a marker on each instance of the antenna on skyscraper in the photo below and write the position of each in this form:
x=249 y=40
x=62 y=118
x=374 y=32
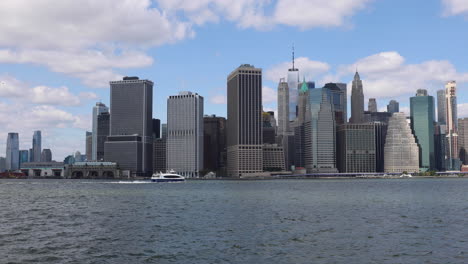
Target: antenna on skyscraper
x=293 y=56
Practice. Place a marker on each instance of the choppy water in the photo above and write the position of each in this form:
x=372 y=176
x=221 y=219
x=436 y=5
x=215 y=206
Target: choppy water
x=282 y=221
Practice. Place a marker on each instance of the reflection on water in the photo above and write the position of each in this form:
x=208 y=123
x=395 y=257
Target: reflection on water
x=282 y=221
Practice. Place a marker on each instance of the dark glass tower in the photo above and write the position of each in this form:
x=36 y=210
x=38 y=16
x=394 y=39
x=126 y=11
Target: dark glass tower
x=103 y=126
x=130 y=139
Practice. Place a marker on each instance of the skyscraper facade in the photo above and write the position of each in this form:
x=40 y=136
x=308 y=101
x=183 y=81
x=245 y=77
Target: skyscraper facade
x=453 y=162
x=463 y=139
x=103 y=131
x=293 y=82
x=422 y=123
x=401 y=149
x=357 y=101
x=440 y=148
x=98 y=109
x=372 y=105
x=37 y=146
x=214 y=156
x=393 y=107
x=356 y=148
x=46 y=155
x=320 y=127
x=283 y=108
x=130 y=141
x=299 y=128
x=244 y=123
x=24 y=157
x=185 y=134
x=380 y=137
x=338 y=99
x=12 y=152
x=441 y=107
x=89 y=145
x=156 y=128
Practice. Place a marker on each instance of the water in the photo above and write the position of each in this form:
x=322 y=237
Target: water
x=282 y=221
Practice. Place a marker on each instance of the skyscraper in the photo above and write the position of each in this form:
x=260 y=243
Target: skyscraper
x=244 y=123
x=299 y=128
x=319 y=130
x=338 y=99
x=89 y=145
x=185 y=134
x=422 y=123
x=97 y=110
x=24 y=156
x=46 y=155
x=293 y=82
x=37 y=146
x=372 y=105
x=453 y=163
x=103 y=130
x=463 y=139
x=356 y=148
x=440 y=148
x=12 y=152
x=130 y=141
x=156 y=128
x=357 y=101
x=441 y=107
x=214 y=156
x=401 y=149
x=283 y=108
x=393 y=107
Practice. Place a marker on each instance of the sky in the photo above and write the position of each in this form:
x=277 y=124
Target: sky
x=58 y=56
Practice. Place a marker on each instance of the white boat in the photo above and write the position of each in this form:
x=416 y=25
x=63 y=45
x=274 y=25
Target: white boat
x=170 y=176
x=406 y=176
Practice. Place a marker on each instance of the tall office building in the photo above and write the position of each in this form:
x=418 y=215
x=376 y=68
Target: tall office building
x=31 y=158
x=441 y=107
x=372 y=105
x=2 y=164
x=12 y=152
x=159 y=155
x=46 y=155
x=440 y=148
x=89 y=145
x=338 y=99
x=98 y=109
x=23 y=157
x=357 y=101
x=356 y=148
x=463 y=139
x=293 y=83
x=269 y=128
x=214 y=157
x=380 y=137
x=453 y=163
x=130 y=141
x=37 y=146
x=319 y=130
x=299 y=129
x=244 y=123
x=164 y=131
x=393 y=107
x=422 y=123
x=185 y=134
x=156 y=128
x=401 y=149
x=283 y=108
x=103 y=131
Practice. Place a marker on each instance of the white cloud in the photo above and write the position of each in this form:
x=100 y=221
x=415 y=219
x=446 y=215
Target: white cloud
x=218 y=99
x=16 y=89
x=307 y=67
x=462 y=110
x=386 y=75
x=455 y=7
x=269 y=95
x=265 y=14
x=316 y=13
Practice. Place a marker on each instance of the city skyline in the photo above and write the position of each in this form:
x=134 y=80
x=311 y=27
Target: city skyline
x=52 y=89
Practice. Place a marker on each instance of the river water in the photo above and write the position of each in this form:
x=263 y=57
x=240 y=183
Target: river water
x=279 y=221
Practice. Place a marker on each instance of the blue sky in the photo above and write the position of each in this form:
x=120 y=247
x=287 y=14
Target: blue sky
x=57 y=56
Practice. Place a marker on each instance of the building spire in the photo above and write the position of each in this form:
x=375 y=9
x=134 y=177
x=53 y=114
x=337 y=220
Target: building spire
x=293 y=56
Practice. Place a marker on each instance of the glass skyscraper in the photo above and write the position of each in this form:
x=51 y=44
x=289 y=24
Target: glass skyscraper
x=37 y=146
x=98 y=109
x=12 y=152
x=393 y=107
x=422 y=123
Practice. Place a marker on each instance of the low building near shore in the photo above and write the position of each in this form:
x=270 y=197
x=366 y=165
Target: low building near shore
x=93 y=170
x=50 y=169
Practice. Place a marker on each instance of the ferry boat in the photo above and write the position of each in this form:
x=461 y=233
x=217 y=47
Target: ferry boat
x=170 y=176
